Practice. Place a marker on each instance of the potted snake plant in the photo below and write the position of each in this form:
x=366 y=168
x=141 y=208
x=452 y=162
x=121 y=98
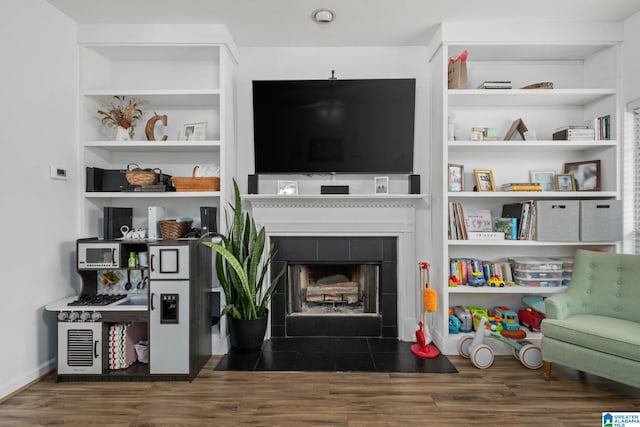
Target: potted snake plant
x=242 y=263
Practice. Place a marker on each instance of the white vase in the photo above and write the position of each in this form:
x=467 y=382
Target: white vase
x=123 y=134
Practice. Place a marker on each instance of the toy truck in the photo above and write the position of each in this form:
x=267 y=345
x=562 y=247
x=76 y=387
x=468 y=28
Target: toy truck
x=464 y=316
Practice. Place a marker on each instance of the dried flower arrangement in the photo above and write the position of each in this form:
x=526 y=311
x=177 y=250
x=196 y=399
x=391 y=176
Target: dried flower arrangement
x=122 y=113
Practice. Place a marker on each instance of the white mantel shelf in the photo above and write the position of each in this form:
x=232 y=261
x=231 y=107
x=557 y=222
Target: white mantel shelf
x=338 y=199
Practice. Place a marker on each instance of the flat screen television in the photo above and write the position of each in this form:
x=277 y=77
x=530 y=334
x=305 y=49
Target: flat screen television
x=333 y=126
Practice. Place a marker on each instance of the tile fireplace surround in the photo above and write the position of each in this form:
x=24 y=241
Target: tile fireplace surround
x=352 y=219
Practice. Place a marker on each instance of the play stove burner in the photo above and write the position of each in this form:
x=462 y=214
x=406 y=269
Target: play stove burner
x=103 y=299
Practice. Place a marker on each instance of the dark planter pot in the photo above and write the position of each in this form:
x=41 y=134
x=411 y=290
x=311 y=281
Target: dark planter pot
x=247 y=335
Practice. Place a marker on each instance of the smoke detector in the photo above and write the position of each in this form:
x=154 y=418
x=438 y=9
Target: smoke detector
x=322 y=16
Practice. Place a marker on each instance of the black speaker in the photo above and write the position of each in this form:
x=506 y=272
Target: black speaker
x=414 y=184
x=208 y=219
x=334 y=189
x=252 y=184
x=114 y=219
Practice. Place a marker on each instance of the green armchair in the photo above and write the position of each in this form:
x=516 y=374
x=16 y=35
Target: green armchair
x=594 y=326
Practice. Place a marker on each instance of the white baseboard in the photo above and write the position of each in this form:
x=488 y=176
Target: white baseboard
x=25 y=380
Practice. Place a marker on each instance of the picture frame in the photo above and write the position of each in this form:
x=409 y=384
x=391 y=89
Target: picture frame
x=586 y=174
x=565 y=182
x=196 y=131
x=545 y=177
x=484 y=180
x=455 y=181
x=381 y=185
x=287 y=188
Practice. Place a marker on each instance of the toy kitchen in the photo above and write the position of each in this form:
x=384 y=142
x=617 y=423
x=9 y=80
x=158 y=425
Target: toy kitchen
x=144 y=311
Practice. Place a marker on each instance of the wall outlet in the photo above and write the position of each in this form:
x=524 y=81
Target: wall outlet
x=57 y=172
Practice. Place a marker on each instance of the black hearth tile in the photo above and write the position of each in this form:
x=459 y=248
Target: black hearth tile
x=394 y=362
x=333 y=249
x=387 y=345
x=389 y=310
x=239 y=361
x=388 y=278
x=437 y=365
x=366 y=249
x=322 y=361
x=278 y=309
x=389 y=249
x=276 y=267
x=301 y=249
x=389 y=331
x=281 y=248
x=277 y=361
x=283 y=344
x=351 y=345
x=277 y=331
x=354 y=362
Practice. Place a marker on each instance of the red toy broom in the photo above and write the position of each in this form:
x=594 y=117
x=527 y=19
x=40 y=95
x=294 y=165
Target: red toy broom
x=423 y=347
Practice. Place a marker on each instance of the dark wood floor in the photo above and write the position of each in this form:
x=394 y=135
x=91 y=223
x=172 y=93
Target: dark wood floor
x=507 y=394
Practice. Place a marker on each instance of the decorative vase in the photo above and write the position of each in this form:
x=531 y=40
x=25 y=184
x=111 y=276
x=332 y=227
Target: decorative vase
x=247 y=334
x=123 y=134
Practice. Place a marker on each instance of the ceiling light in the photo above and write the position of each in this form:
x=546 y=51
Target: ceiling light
x=322 y=16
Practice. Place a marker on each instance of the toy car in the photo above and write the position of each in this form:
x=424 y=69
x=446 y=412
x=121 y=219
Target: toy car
x=454 y=281
x=495 y=281
x=508 y=318
x=465 y=318
x=476 y=278
x=530 y=318
x=454 y=325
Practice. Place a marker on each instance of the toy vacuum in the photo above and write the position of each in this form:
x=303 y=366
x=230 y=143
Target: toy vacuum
x=423 y=347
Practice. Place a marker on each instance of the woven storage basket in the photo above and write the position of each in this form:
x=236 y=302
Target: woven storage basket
x=139 y=176
x=172 y=229
x=193 y=183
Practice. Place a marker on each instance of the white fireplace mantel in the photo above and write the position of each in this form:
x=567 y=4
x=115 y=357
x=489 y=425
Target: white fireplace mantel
x=352 y=215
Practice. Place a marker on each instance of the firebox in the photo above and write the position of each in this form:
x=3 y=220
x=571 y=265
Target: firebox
x=333 y=289
x=335 y=286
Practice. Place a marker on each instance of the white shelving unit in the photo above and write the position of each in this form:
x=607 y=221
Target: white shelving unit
x=184 y=71
x=585 y=73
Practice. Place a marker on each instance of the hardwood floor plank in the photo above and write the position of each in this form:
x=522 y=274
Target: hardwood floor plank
x=506 y=394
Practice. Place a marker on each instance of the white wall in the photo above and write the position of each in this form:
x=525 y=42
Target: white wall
x=38 y=215
x=631 y=59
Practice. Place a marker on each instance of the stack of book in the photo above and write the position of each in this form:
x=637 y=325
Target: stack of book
x=574 y=133
x=522 y=186
x=495 y=84
x=525 y=214
x=464 y=268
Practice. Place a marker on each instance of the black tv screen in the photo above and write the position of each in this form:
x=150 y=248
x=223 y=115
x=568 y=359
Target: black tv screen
x=334 y=126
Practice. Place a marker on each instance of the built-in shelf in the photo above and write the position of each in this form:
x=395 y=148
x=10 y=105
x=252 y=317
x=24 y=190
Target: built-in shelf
x=151 y=194
x=171 y=97
x=524 y=243
x=525 y=97
x=464 y=289
x=303 y=197
x=519 y=145
x=531 y=194
x=156 y=146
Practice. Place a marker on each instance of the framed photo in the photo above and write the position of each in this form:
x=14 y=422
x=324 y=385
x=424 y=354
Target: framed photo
x=545 y=177
x=565 y=182
x=287 y=188
x=194 y=131
x=456 y=178
x=381 y=185
x=586 y=174
x=484 y=180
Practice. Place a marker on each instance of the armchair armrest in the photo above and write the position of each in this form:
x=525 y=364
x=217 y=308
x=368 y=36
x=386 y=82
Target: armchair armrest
x=559 y=306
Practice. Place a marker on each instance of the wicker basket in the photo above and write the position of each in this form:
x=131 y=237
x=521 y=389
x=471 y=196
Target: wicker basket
x=139 y=176
x=193 y=183
x=172 y=229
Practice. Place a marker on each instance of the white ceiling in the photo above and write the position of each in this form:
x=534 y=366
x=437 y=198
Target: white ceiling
x=357 y=22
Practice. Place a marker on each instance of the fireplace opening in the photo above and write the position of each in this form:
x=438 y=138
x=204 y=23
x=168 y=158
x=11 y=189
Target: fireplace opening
x=333 y=289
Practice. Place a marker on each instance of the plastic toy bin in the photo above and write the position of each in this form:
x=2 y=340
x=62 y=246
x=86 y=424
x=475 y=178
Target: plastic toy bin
x=537 y=264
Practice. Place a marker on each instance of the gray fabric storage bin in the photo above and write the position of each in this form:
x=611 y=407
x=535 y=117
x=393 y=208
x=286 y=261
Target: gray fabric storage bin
x=600 y=220
x=558 y=221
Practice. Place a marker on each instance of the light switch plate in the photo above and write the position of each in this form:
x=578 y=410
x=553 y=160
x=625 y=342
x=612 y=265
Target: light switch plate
x=57 y=172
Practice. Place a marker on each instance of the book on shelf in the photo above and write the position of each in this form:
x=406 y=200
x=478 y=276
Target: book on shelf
x=478 y=220
x=457 y=229
x=507 y=226
x=495 y=84
x=464 y=268
x=525 y=213
x=574 y=133
x=522 y=186
x=602 y=128
x=485 y=235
